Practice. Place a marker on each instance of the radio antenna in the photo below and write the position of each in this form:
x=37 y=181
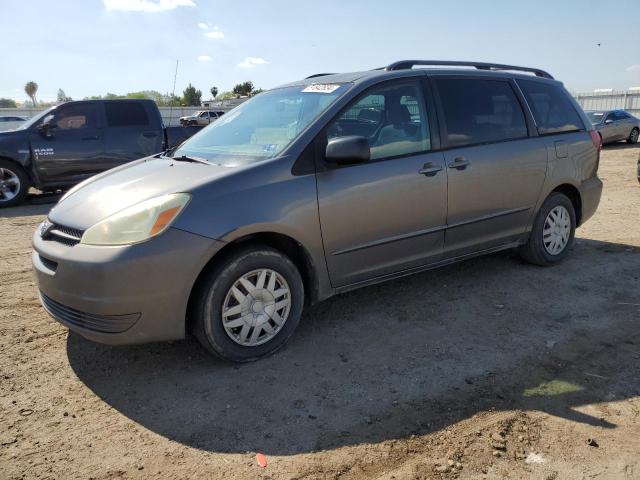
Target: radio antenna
x=173 y=93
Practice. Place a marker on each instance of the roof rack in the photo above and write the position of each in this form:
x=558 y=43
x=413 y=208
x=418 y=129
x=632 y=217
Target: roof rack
x=318 y=75
x=407 y=64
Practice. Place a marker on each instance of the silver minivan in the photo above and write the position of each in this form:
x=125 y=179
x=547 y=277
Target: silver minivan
x=314 y=188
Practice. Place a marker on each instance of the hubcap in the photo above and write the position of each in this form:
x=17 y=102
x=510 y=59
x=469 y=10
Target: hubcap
x=9 y=185
x=256 y=307
x=556 y=231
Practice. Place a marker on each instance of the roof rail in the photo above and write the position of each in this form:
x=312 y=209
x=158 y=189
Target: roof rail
x=318 y=75
x=407 y=64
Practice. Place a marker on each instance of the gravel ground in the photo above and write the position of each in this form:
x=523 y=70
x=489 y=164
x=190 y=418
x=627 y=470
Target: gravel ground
x=490 y=368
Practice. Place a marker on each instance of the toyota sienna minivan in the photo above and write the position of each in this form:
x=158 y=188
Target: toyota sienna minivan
x=314 y=188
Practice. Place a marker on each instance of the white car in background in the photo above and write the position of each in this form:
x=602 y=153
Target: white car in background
x=9 y=122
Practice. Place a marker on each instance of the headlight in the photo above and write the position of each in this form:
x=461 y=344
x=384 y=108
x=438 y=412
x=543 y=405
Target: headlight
x=137 y=223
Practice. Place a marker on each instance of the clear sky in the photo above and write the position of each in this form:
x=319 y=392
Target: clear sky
x=90 y=47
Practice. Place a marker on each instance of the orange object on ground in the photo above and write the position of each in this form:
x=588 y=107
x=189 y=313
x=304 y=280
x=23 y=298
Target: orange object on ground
x=262 y=459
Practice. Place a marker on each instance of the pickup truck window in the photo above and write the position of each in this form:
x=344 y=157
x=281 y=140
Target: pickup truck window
x=75 y=116
x=125 y=114
x=262 y=127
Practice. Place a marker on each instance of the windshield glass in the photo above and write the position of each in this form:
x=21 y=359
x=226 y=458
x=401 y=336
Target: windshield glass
x=595 y=117
x=262 y=127
x=35 y=119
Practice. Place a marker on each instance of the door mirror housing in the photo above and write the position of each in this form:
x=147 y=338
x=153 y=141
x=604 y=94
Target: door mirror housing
x=47 y=126
x=348 y=150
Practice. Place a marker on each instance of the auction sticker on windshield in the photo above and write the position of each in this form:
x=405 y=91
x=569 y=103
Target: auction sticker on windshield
x=321 y=88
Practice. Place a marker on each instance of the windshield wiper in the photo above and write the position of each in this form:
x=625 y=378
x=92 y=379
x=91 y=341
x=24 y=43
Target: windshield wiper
x=185 y=158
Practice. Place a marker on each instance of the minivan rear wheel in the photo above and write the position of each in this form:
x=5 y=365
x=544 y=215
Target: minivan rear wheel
x=248 y=306
x=552 y=233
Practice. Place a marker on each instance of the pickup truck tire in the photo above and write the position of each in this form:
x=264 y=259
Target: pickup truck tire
x=552 y=233
x=247 y=306
x=14 y=183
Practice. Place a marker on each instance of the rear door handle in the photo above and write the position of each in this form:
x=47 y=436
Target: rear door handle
x=459 y=163
x=94 y=137
x=149 y=134
x=429 y=169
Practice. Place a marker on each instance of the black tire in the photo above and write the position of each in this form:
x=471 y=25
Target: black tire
x=633 y=136
x=206 y=309
x=534 y=251
x=12 y=169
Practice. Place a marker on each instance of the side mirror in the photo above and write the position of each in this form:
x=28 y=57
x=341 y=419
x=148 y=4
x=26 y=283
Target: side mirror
x=46 y=126
x=608 y=121
x=347 y=150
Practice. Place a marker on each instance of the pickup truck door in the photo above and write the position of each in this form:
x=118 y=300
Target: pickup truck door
x=73 y=147
x=131 y=132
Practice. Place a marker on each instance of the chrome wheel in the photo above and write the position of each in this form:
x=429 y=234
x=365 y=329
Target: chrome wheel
x=256 y=307
x=9 y=185
x=633 y=138
x=557 y=230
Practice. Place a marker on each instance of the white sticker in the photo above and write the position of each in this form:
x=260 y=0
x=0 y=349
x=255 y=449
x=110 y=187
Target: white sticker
x=321 y=88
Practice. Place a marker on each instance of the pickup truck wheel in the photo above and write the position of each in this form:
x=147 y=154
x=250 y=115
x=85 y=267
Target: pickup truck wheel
x=633 y=136
x=14 y=184
x=553 y=232
x=248 y=306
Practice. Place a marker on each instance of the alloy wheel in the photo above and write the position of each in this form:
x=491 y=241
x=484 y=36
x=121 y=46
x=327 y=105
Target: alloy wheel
x=9 y=185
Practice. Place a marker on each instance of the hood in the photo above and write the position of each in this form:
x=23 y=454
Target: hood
x=103 y=195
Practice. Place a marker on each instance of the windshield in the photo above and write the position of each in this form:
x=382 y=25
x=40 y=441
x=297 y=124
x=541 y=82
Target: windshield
x=35 y=119
x=595 y=117
x=262 y=127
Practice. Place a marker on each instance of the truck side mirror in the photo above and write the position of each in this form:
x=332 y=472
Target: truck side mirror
x=47 y=126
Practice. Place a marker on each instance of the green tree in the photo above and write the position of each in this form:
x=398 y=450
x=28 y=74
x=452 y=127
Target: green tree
x=226 y=96
x=214 y=92
x=243 y=89
x=62 y=97
x=192 y=97
x=7 y=103
x=30 y=89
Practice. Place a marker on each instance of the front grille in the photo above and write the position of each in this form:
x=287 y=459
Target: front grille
x=66 y=235
x=88 y=321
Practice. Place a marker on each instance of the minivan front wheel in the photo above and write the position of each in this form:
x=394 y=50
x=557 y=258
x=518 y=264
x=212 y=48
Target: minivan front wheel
x=248 y=306
x=552 y=233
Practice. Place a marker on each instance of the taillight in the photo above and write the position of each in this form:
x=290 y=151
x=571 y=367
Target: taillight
x=596 y=139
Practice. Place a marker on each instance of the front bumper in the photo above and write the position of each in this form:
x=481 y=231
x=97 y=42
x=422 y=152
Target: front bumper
x=590 y=193
x=124 y=294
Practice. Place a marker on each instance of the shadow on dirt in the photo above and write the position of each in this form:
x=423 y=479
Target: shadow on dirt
x=408 y=357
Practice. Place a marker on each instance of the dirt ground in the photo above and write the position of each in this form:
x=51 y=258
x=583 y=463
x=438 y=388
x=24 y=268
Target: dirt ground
x=490 y=368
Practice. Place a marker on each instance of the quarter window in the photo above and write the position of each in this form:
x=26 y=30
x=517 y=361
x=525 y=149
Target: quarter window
x=552 y=110
x=125 y=114
x=480 y=111
x=391 y=118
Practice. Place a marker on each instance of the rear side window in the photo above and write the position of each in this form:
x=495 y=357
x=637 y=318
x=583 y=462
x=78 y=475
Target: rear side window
x=125 y=114
x=480 y=111
x=552 y=110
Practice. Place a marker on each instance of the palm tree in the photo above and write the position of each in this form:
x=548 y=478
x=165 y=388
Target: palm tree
x=214 y=92
x=31 y=88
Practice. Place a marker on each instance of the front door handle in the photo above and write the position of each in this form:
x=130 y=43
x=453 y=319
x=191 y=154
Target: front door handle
x=150 y=134
x=429 y=169
x=93 y=137
x=459 y=163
